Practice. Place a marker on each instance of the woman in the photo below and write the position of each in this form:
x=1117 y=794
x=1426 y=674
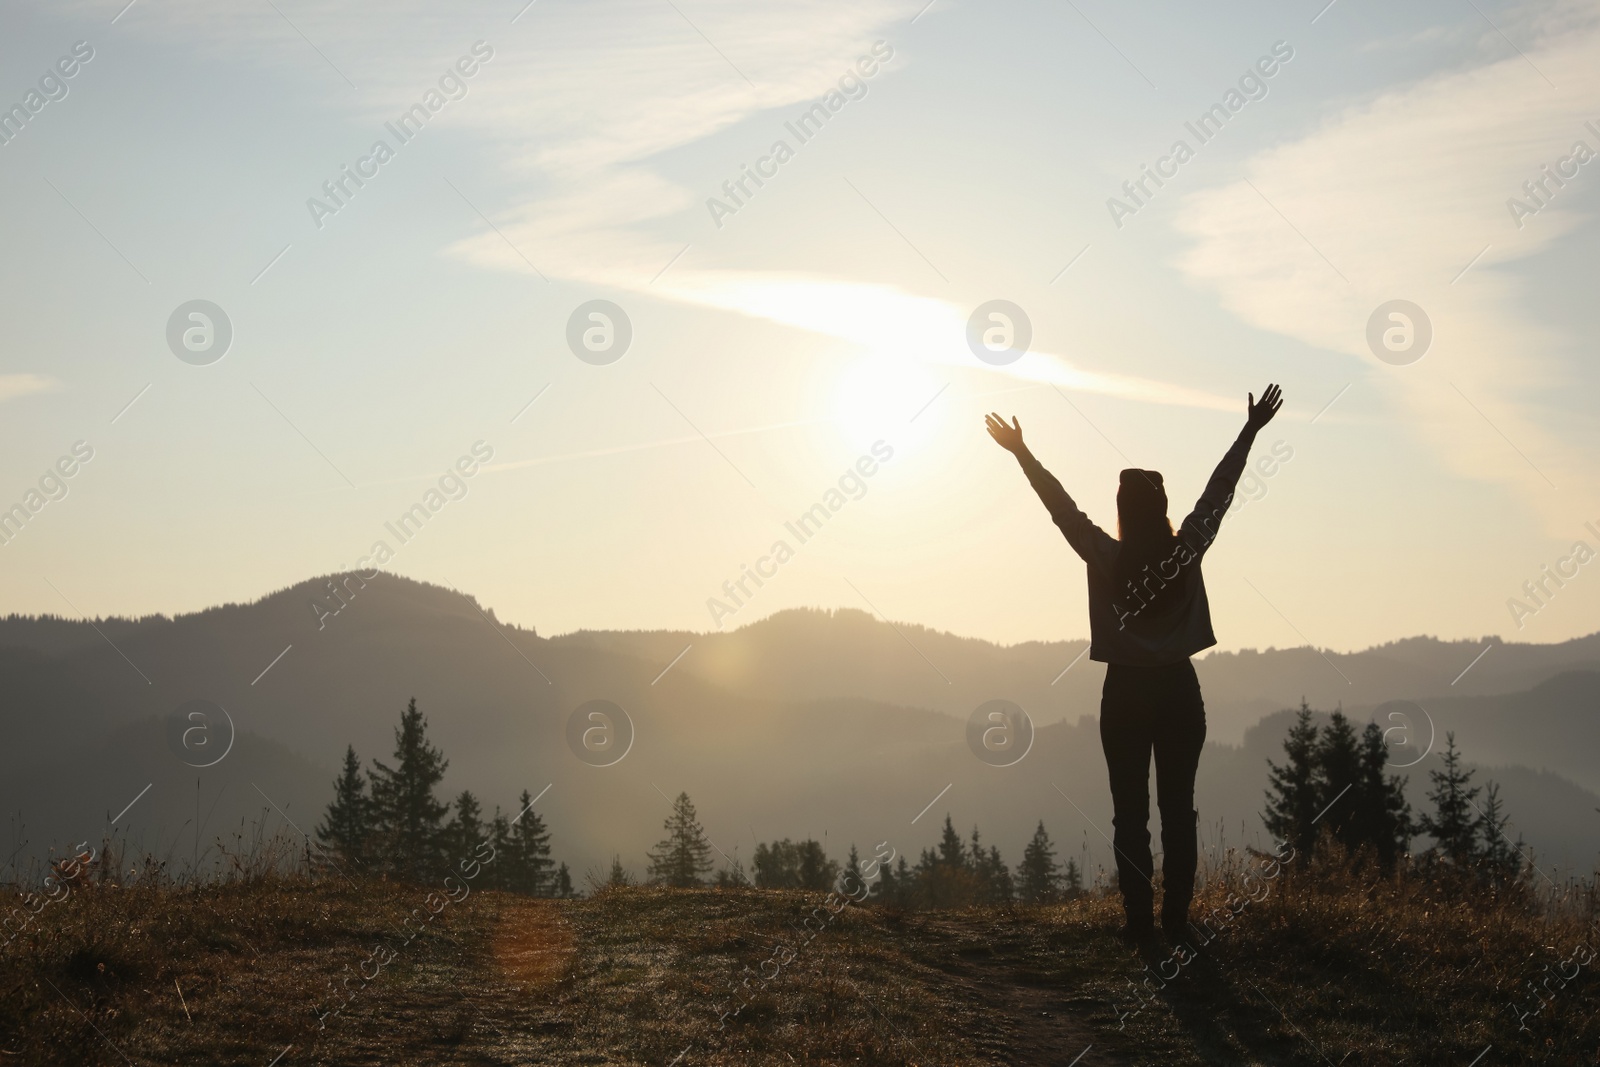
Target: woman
x=1147 y=615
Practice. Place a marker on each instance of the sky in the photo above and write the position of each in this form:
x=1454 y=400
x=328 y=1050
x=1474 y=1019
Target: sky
x=786 y=337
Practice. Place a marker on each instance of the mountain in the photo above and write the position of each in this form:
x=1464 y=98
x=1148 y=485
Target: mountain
x=1554 y=725
x=810 y=654
x=809 y=723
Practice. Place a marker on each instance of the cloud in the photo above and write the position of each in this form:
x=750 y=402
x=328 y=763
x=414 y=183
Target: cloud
x=593 y=235
x=15 y=385
x=889 y=321
x=1397 y=195
x=577 y=103
x=581 y=99
x=573 y=88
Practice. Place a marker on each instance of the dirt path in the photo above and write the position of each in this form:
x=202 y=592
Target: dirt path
x=1029 y=1022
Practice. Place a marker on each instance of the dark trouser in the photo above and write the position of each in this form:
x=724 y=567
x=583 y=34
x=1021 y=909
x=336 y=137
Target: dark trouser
x=1144 y=709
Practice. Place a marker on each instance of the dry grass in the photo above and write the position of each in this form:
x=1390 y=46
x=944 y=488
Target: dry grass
x=1335 y=965
x=533 y=945
x=1325 y=968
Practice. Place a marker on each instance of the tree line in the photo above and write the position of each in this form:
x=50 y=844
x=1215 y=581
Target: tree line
x=954 y=874
x=1333 y=786
x=390 y=823
x=387 y=821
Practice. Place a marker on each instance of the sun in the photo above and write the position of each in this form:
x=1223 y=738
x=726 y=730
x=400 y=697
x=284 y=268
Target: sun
x=882 y=397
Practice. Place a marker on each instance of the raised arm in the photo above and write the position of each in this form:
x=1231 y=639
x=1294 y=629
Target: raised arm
x=1098 y=548
x=1200 y=528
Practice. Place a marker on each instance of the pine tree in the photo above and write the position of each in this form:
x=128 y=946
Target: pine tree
x=563 y=883
x=990 y=881
x=769 y=865
x=1292 y=798
x=1502 y=860
x=1073 y=879
x=500 y=872
x=950 y=876
x=1361 y=806
x=1455 y=823
x=851 y=880
x=1338 y=770
x=464 y=832
x=951 y=852
x=790 y=865
x=905 y=882
x=1382 y=814
x=683 y=858
x=732 y=876
x=887 y=890
x=407 y=814
x=619 y=874
x=1039 y=876
x=346 y=831
x=529 y=870
x=816 y=870
x=997 y=885
x=894 y=884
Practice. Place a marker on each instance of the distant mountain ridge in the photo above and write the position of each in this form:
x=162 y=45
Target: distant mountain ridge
x=815 y=723
x=809 y=653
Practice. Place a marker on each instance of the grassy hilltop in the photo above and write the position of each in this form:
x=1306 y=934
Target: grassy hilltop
x=1315 y=968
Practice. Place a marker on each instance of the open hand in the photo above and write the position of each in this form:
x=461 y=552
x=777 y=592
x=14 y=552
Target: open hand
x=1261 y=414
x=1007 y=437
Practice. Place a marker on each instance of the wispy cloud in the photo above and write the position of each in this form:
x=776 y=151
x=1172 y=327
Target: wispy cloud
x=598 y=237
x=889 y=321
x=573 y=118
x=573 y=88
x=1399 y=194
x=15 y=385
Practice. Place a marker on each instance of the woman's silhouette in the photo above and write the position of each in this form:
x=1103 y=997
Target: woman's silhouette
x=1147 y=615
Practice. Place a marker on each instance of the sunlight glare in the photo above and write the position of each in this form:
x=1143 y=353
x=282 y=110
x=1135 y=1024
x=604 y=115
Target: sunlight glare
x=877 y=396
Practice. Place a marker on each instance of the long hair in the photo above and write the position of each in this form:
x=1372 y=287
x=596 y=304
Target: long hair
x=1149 y=580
